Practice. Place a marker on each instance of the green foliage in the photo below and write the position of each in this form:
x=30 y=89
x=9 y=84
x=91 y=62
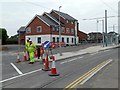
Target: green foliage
x=3 y=35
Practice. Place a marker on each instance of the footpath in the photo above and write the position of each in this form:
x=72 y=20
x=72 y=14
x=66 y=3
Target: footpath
x=88 y=50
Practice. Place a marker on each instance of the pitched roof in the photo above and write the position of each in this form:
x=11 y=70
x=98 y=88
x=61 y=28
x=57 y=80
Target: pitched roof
x=47 y=20
x=21 y=29
x=65 y=15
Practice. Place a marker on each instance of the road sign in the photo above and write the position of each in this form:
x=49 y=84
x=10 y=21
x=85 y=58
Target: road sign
x=46 y=44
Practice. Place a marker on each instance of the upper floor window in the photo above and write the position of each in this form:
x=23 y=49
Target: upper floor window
x=67 y=30
x=53 y=29
x=67 y=21
x=72 y=22
x=62 y=29
x=28 y=30
x=57 y=29
x=72 y=31
x=39 y=29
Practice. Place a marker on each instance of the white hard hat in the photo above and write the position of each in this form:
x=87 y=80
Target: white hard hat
x=30 y=40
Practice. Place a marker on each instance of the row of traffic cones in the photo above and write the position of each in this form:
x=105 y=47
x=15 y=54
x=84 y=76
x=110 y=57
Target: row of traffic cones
x=24 y=57
x=53 y=69
x=45 y=65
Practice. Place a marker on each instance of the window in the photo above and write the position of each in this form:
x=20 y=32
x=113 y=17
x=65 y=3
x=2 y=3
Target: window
x=28 y=30
x=53 y=39
x=72 y=40
x=67 y=21
x=72 y=31
x=39 y=29
x=62 y=39
x=53 y=29
x=63 y=30
x=67 y=40
x=57 y=29
x=57 y=39
x=72 y=22
x=67 y=30
x=39 y=40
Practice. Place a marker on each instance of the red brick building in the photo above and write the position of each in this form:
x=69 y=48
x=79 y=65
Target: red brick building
x=45 y=27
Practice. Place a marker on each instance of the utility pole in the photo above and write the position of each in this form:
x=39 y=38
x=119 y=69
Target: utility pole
x=60 y=51
x=106 y=28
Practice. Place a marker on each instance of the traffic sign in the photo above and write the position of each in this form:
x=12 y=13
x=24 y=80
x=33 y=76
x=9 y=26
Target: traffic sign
x=46 y=44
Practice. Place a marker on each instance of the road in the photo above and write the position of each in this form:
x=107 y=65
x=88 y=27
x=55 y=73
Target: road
x=69 y=69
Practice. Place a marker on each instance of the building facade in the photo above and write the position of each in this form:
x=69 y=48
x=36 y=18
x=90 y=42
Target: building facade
x=45 y=27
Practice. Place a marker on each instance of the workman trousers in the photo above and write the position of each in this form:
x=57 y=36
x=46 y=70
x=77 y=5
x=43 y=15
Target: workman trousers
x=31 y=56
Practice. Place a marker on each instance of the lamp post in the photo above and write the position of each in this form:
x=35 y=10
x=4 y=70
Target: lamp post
x=60 y=34
x=102 y=31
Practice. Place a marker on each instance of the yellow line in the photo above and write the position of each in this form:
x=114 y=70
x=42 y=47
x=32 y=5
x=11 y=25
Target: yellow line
x=74 y=83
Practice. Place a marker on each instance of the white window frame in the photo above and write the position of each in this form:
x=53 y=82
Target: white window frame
x=67 y=30
x=40 y=30
x=40 y=39
x=72 y=31
x=28 y=30
x=72 y=22
x=67 y=21
x=63 y=29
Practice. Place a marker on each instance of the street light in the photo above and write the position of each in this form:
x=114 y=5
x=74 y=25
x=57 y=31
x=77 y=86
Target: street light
x=60 y=34
x=102 y=30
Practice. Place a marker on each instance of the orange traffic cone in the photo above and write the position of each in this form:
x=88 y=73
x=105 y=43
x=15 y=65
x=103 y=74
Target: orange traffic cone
x=46 y=64
x=25 y=58
x=18 y=58
x=53 y=70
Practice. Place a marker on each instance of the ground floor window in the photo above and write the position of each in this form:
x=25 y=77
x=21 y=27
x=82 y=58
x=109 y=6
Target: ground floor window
x=62 y=39
x=53 y=39
x=57 y=39
x=72 y=40
x=39 y=39
x=67 y=40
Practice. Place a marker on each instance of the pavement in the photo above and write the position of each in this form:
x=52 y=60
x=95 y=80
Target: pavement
x=88 y=50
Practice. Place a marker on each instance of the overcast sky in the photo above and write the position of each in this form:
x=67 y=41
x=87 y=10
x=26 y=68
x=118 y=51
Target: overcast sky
x=17 y=13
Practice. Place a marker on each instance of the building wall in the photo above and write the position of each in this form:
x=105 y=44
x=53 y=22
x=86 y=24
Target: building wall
x=44 y=38
x=37 y=22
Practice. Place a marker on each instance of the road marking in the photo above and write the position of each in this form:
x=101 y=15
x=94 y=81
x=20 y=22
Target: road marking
x=106 y=50
x=70 y=60
x=94 y=53
x=87 y=75
x=20 y=75
x=16 y=68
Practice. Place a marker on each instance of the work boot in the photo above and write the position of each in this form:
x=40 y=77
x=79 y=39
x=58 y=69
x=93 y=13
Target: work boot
x=18 y=61
x=30 y=62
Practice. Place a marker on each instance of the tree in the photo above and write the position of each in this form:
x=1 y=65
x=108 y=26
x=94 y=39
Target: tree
x=3 y=35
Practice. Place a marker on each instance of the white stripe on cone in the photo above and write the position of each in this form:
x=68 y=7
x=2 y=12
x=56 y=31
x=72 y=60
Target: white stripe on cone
x=53 y=64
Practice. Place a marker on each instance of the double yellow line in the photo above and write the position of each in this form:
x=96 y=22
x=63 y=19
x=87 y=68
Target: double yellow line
x=86 y=75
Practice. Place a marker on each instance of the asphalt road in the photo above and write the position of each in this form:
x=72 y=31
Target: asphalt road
x=69 y=69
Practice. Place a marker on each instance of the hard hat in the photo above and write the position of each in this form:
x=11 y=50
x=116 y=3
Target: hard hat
x=30 y=40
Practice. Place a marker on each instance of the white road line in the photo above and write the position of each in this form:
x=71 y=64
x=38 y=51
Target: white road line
x=95 y=72
x=94 y=53
x=70 y=60
x=16 y=68
x=20 y=75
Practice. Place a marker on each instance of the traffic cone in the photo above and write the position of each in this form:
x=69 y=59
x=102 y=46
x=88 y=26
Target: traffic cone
x=46 y=64
x=53 y=70
x=25 y=58
x=18 y=58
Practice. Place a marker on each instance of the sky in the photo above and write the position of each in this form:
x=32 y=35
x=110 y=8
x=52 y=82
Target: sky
x=17 y=13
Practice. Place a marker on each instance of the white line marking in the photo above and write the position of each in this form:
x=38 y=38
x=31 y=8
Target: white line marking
x=70 y=60
x=106 y=50
x=94 y=53
x=16 y=68
x=95 y=72
x=20 y=75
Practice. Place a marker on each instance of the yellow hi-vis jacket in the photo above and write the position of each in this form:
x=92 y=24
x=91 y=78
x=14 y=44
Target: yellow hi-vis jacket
x=32 y=48
x=27 y=45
